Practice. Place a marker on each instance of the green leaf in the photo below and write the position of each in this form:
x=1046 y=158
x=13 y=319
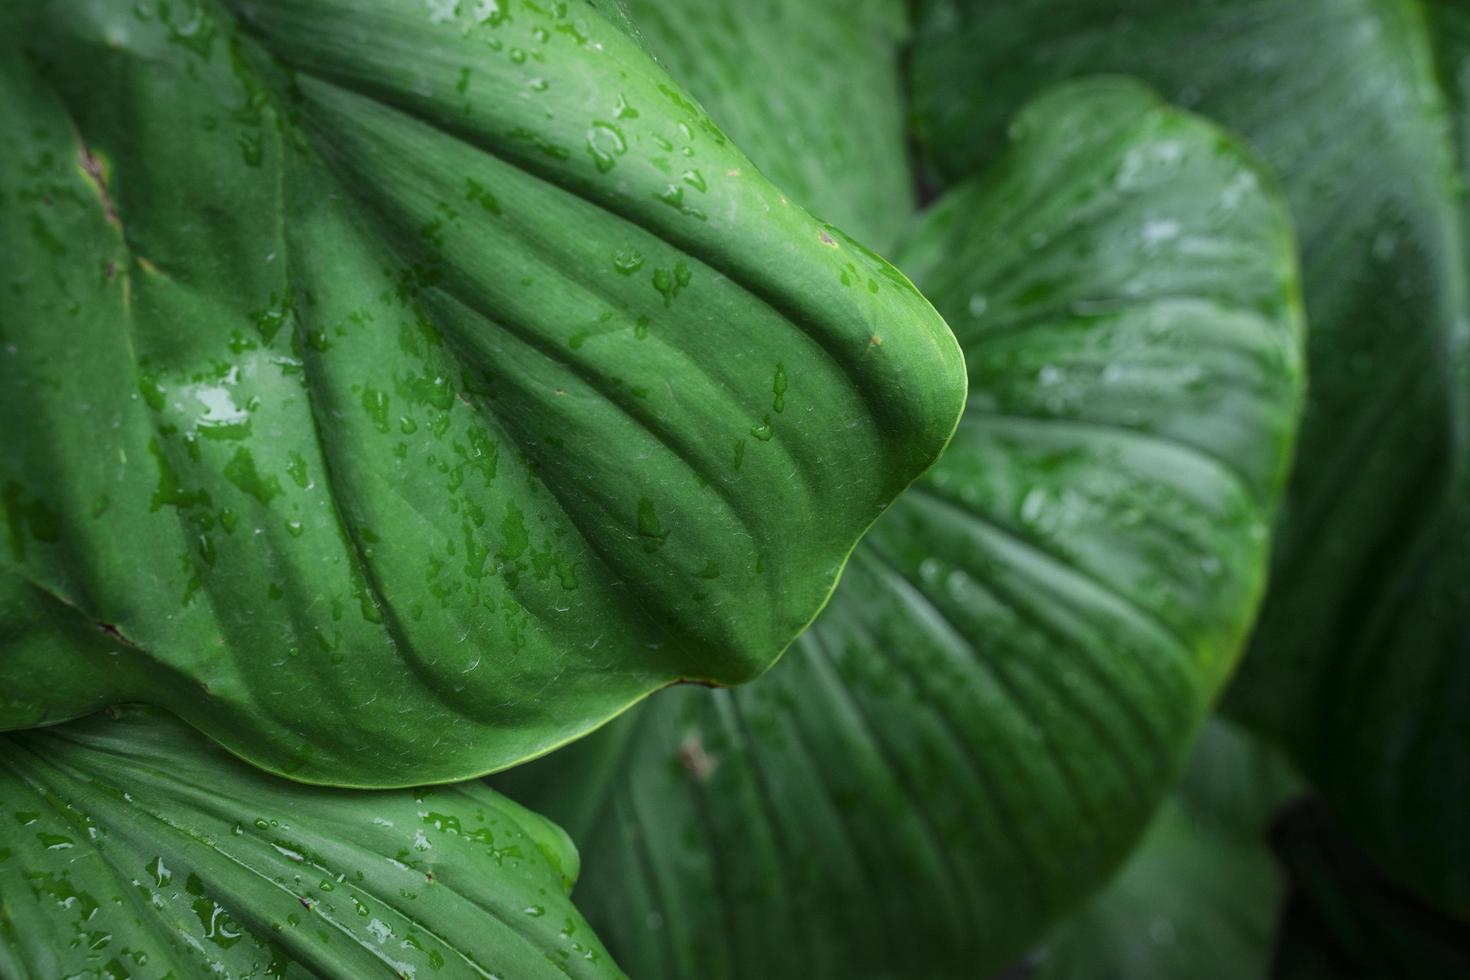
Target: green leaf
x=409 y=388
x=978 y=727
x=1201 y=895
x=1346 y=920
x=1359 y=663
x=132 y=846
x=811 y=90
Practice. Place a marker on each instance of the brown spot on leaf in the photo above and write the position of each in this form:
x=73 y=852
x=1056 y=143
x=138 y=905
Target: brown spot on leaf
x=695 y=760
x=93 y=166
x=116 y=634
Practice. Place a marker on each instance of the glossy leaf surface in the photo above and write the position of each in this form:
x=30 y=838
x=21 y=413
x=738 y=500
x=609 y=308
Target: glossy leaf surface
x=405 y=389
x=980 y=724
x=133 y=847
x=1359 y=664
x=810 y=90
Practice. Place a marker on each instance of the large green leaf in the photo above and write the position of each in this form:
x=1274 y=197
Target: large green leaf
x=979 y=726
x=133 y=847
x=810 y=90
x=1201 y=896
x=402 y=390
x=1359 y=662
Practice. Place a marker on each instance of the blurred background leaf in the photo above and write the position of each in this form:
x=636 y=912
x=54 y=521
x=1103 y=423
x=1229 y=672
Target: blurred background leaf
x=1359 y=665
x=1202 y=895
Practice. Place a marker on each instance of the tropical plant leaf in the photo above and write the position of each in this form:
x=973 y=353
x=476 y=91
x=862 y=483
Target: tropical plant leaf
x=810 y=90
x=407 y=389
x=979 y=726
x=132 y=846
x=1359 y=664
x=1202 y=894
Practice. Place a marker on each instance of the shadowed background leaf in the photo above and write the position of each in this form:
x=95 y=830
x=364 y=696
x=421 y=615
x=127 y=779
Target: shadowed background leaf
x=1346 y=920
x=1201 y=896
x=1359 y=663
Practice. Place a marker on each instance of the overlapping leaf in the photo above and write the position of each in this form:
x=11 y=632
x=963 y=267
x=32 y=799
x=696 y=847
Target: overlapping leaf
x=133 y=847
x=1345 y=919
x=1359 y=662
x=1201 y=896
x=978 y=727
x=400 y=390
x=810 y=90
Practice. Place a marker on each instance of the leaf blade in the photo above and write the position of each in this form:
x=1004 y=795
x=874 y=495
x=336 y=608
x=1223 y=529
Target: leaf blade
x=1357 y=666
x=980 y=724
x=431 y=416
x=132 y=840
x=777 y=70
